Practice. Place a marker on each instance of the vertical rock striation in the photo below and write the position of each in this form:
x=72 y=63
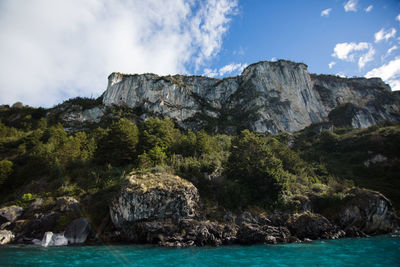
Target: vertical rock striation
x=266 y=97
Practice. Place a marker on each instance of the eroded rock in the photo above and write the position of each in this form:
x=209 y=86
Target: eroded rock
x=266 y=97
x=314 y=226
x=149 y=197
x=6 y=237
x=368 y=211
x=77 y=231
x=10 y=214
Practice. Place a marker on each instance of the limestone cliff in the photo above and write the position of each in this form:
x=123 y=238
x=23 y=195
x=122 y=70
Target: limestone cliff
x=266 y=97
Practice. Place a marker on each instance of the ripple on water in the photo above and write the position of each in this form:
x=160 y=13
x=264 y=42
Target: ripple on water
x=381 y=250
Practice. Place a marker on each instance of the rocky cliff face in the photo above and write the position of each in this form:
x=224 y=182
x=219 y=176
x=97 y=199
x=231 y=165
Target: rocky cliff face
x=149 y=197
x=266 y=97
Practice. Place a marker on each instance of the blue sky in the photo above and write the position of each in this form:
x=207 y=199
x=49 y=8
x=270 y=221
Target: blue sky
x=52 y=50
x=296 y=30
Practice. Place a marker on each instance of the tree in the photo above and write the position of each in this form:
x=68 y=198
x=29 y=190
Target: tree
x=202 y=143
x=253 y=165
x=119 y=145
x=5 y=170
x=157 y=133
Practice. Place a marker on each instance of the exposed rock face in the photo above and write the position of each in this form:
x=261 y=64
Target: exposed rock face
x=6 y=237
x=255 y=233
x=148 y=197
x=50 y=240
x=368 y=211
x=266 y=97
x=77 y=231
x=10 y=214
x=161 y=208
x=314 y=226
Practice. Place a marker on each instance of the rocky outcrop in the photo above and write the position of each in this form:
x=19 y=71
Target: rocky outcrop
x=6 y=237
x=265 y=234
x=77 y=231
x=41 y=216
x=153 y=196
x=368 y=211
x=52 y=240
x=163 y=209
x=314 y=226
x=10 y=214
x=266 y=97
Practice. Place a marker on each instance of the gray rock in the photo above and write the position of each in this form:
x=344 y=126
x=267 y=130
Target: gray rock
x=148 y=197
x=77 y=231
x=10 y=214
x=66 y=204
x=6 y=237
x=254 y=233
x=50 y=240
x=266 y=97
x=313 y=226
x=36 y=204
x=369 y=212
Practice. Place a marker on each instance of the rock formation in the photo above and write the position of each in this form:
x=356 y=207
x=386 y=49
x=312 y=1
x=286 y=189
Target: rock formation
x=155 y=208
x=368 y=211
x=149 y=197
x=266 y=97
x=77 y=231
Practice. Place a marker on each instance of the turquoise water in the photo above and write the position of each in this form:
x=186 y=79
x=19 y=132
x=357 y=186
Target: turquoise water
x=376 y=251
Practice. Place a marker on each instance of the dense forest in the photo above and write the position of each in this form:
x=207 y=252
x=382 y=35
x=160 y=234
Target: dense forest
x=41 y=158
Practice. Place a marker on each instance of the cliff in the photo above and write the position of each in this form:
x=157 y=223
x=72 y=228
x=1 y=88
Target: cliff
x=266 y=97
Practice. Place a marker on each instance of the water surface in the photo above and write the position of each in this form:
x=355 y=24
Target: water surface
x=375 y=251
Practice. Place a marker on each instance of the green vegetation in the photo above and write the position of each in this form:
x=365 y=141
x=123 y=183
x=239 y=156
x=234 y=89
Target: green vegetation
x=257 y=171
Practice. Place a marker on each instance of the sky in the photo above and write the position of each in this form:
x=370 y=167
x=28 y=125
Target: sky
x=53 y=50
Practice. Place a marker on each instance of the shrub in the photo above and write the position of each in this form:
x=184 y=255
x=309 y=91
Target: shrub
x=6 y=168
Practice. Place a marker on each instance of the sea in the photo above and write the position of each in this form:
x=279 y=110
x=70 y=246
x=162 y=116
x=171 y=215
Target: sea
x=374 y=251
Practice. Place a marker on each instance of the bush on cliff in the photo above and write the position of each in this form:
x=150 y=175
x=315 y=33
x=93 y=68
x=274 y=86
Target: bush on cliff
x=253 y=165
x=118 y=145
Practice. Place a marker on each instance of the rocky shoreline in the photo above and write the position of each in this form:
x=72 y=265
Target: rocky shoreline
x=165 y=210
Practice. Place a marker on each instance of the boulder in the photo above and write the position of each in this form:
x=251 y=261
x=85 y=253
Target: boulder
x=50 y=239
x=153 y=196
x=254 y=233
x=66 y=204
x=369 y=212
x=77 y=231
x=313 y=226
x=186 y=232
x=6 y=237
x=10 y=213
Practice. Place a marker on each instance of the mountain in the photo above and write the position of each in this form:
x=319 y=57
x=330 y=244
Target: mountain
x=267 y=97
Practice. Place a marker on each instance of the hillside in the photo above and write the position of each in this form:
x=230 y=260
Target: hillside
x=84 y=159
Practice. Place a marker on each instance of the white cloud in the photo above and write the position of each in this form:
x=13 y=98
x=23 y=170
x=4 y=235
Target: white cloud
x=398 y=17
x=51 y=50
x=331 y=64
x=326 y=12
x=346 y=51
x=227 y=69
x=274 y=59
x=369 y=8
x=351 y=51
x=384 y=35
x=230 y=68
x=350 y=5
x=389 y=72
x=390 y=50
x=367 y=57
x=210 y=72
